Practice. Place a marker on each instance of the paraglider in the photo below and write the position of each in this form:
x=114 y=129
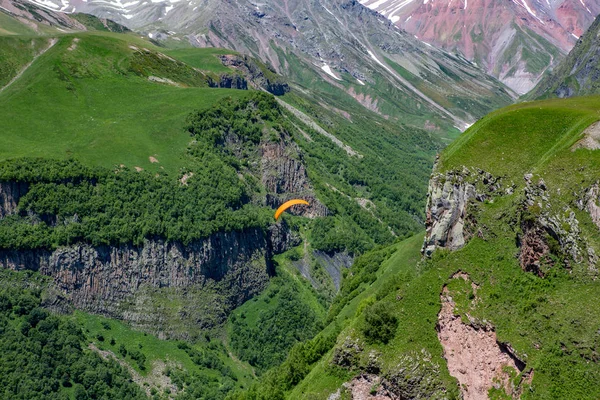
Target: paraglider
x=287 y=205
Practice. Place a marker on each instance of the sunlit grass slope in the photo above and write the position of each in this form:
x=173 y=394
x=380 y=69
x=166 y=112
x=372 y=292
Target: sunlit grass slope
x=551 y=321
x=86 y=99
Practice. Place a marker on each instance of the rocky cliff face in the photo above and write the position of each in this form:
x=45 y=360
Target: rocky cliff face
x=545 y=235
x=229 y=81
x=448 y=199
x=256 y=74
x=549 y=235
x=10 y=193
x=115 y=281
x=284 y=176
x=168 y=288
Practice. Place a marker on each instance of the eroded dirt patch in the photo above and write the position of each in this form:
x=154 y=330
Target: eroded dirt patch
x=473 y=354
x=591 y=138
x=184 y=179
x=368 y=387
x=365 y=100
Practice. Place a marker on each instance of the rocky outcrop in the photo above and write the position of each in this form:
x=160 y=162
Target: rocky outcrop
x=474 y=356
x=369 y=387
x=548 y=236
x=590 y=203
x=284 y=176
x=10 y=194
x=229 y=81
x=448 y=198
x=113 y=280
x=534 y=255
x=333 y=263
x=414 y=376
x=256 y=75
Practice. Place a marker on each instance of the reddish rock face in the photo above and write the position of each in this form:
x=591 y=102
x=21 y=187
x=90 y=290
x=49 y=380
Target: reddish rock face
x=500 y=36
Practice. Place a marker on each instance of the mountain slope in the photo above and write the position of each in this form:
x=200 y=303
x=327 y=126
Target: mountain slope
x=144 y=188
x=115 y=148
x=23 y=17
x=506 y=303
x=515 y=41
x=338 y=47
x=577 y=74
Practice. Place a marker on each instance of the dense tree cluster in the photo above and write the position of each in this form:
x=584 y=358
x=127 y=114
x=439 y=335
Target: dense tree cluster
x=43 y=356
x=380 y=324
x=280 y=379
x=68 y=202
x=276 y=331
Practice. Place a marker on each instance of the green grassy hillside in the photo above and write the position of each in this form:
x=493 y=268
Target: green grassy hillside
x=10 y=26
x=549 y=316
x=96 y=104
x=553 y=319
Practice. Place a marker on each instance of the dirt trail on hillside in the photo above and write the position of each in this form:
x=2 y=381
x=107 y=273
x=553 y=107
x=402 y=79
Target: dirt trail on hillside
x=52 y=43
x=473 y=354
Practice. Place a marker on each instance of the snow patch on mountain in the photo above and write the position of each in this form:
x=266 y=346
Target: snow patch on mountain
x=329 y=72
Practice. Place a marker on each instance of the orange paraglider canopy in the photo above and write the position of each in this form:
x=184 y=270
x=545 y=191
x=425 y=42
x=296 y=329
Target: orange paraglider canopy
x=287 y=205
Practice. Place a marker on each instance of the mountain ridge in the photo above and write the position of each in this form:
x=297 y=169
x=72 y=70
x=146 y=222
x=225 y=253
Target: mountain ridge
x=576 y=74
x=349 y=47
x=515 y=41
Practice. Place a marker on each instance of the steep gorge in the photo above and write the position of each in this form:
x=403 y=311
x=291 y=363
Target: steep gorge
x=122 y=281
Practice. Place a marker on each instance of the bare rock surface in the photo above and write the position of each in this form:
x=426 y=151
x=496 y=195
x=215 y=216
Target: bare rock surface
x=591 y=138
x=368 y=387
x=115 y=280
x=473 y=354
x=447 y=201
x=590 y=203
x=10 y=193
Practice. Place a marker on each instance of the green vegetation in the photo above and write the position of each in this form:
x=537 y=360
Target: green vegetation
x=95 y=104
x=310 y=373
x=206 y=59
x=512 y=141
x=10 y=26
x=104 y=207
x=15 y=53
x=263 y=330
x=389 y=301
x=200 y=370
x=44 y=356
x=380 y=324
x=292 y=341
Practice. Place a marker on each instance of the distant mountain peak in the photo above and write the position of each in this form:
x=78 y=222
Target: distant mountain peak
x=515 y=41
